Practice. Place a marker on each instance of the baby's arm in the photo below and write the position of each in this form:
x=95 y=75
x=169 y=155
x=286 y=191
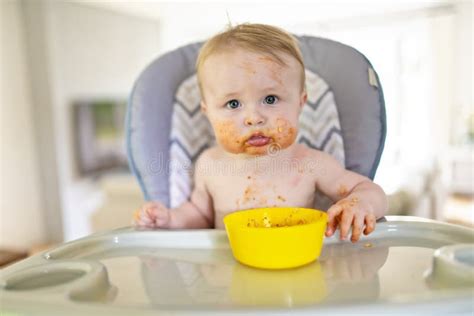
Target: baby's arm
x=359 y=201
x=196 y=213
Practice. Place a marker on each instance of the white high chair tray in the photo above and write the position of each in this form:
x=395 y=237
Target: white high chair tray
x=125 y=271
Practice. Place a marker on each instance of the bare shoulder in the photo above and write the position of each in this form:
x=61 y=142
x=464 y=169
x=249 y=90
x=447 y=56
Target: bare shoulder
x=303 y=152
x=206 y=161
x=319 y=164
x=306 y=153
x=209 y=155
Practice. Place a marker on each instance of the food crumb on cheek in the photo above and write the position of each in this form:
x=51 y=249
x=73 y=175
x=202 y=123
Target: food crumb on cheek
x=285 y=134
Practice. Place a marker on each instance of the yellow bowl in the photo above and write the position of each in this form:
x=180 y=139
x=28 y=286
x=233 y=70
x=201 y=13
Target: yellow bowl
x=276 y=238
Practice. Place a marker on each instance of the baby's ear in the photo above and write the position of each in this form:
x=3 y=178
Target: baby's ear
x=303 y=98
x=203 y=106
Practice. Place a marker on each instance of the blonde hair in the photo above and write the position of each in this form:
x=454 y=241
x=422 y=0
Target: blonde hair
x=257 y=38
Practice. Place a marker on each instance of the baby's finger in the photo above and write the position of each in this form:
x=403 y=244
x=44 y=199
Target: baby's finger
x=144 y=223
x=161 y=213
x=369 y=224
x=333 y=211
x=357 y=225
x=140 y=223
x=147 y=215
x=162 y=218
x=161 y=223
x=151 y=213
x=142 y=218
x=346 y=223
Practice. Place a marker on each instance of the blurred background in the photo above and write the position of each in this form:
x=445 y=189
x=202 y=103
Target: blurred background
x=67 y=68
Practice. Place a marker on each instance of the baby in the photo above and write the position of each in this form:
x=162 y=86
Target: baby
x=252 y=84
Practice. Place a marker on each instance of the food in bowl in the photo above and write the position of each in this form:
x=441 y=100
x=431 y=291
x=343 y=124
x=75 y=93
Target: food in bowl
x=286 y=222
x=276 y=238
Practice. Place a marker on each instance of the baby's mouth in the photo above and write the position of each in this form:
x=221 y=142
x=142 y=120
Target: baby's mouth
x=258 y=140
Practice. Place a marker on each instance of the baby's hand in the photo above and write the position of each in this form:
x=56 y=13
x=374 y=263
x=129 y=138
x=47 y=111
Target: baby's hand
x=350 y=212
x=152 y=215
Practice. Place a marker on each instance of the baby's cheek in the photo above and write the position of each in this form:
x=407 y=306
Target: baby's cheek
x=228 y=136
x=285 y=133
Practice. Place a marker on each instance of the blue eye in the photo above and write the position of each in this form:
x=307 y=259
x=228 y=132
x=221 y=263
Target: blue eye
x=233 y=104
x=270 y=99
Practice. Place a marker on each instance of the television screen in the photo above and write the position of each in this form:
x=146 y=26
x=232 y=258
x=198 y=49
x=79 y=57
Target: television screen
x=99 y=135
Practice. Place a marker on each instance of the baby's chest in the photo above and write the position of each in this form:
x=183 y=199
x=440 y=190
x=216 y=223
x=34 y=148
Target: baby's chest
x=231 y=193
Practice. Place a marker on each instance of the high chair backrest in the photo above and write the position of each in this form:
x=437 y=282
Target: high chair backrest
x=166 y=131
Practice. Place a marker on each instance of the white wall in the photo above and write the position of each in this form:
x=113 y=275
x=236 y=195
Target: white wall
x=95 y=53
x=464 y=69
x=21 y=207
x=183 y=22
x=55 y=52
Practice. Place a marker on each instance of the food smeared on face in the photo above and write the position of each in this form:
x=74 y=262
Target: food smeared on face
x=252 y=100
x=254 y=142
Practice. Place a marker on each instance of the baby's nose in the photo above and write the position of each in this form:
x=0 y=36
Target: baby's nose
x=252 y=121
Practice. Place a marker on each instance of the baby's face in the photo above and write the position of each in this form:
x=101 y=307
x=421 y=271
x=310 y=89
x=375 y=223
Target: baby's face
x=252 y=101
